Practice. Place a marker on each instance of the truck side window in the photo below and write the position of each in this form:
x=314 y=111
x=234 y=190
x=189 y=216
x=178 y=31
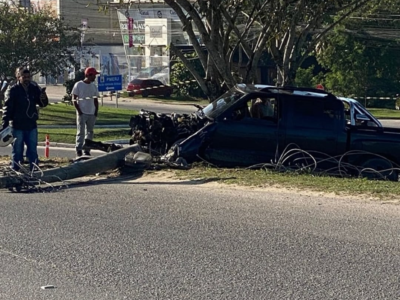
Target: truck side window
x=263 y=108
x=316 y=113
x=241 y=113
x=347 y=113
x=332 y=114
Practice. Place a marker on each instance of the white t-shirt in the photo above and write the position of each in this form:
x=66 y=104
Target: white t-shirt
x=86 y=93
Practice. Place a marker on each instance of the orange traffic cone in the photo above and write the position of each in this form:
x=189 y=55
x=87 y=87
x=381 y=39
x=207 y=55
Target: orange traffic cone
x=47 y=147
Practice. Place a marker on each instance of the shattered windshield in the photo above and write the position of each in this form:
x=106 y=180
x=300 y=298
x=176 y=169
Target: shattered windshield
x=223 y=103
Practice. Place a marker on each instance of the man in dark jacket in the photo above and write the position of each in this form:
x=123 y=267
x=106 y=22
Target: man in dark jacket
x=21 y=113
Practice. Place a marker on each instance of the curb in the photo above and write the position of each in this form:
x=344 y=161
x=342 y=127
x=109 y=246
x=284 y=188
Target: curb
x=60 y=145
x=65 y=145
x=122 y=126
x=123 y=142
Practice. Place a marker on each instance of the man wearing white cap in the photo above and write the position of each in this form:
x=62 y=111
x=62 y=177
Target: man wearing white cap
x=87 y=106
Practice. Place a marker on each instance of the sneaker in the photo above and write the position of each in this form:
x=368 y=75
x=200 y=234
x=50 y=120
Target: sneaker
x=78 y=153
x=87 y=153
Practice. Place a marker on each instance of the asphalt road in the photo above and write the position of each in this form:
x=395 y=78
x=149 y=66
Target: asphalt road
x=155 y=240
x=391 y=123
x=54 y=151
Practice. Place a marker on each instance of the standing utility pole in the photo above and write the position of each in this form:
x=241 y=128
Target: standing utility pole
x=84 y=27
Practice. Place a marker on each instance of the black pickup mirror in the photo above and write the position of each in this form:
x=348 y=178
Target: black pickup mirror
x=361 y=117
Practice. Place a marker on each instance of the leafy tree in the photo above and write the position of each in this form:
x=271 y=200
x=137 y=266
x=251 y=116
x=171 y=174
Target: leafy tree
x=307 y=78
x=38 y=40
x=290 y=30
x=360 y=65
x=184 y=82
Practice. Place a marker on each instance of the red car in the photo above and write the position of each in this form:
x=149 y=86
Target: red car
x=146 y=87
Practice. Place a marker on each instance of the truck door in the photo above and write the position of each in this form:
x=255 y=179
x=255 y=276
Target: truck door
x=244 y=139
x=314 y=123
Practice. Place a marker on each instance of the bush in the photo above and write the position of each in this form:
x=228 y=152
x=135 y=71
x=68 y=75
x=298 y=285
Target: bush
x=69 y=84
x=180 y=74
x=307 y=78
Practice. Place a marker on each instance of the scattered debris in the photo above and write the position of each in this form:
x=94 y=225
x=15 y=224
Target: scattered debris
x=48 y=287
x=106 y=147
x=33 y=181
x=156 y=133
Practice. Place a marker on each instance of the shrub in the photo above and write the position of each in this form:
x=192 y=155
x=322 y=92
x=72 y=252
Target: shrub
x=180 y=74
x=69 y=84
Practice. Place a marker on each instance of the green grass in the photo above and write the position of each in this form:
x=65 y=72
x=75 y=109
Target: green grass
x=63 y=114
x=383 y=113
x=180 y=99
x=172 y=100
x=67 y=135
x=362 y=188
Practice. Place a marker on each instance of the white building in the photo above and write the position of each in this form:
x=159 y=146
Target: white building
x=146 y=34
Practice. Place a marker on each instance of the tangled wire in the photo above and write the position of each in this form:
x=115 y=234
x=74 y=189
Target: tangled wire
x=373 y=166
x=30 y=180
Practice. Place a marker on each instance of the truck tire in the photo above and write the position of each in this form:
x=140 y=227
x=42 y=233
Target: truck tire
x=380 y=164
x=145 y=94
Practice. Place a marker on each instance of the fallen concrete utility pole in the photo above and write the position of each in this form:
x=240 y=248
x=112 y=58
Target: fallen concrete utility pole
x=92 y=166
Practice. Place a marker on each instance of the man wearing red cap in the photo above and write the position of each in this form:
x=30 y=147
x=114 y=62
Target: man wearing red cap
x=87 y=106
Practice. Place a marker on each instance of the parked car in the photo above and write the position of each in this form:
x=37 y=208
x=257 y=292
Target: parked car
x=146 y=87
x=146 y=73
x=338 y=133
x=163 y=75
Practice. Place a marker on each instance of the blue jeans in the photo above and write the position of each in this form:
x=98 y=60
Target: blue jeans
x=28 y=138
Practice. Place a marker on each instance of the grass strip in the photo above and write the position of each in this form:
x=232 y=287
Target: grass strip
x=63 y=114
x=383 y=113
x=362 y=188
x=68 y=135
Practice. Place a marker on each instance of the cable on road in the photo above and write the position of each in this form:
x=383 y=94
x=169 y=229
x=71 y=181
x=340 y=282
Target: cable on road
x=370 y=165
x=29 y=181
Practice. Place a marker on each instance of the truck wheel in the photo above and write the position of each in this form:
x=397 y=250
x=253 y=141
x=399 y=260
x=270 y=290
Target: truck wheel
x=145 y=94
x=379 y=164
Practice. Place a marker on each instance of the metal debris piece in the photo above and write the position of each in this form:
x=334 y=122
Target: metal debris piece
x=156 y=133
x=106 y=147
x=48 y=287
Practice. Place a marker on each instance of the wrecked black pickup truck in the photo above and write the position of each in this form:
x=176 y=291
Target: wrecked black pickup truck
x=325 y=129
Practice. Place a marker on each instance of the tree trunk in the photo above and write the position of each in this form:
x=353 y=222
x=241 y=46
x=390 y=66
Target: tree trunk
x=285 y=76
